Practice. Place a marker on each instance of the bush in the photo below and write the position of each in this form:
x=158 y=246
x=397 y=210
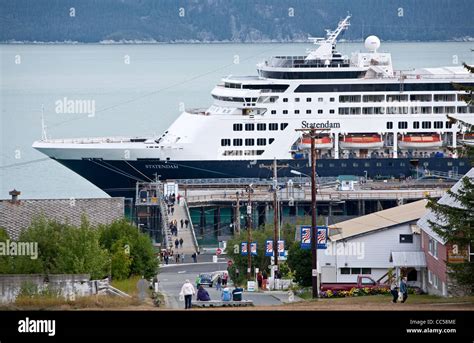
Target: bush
x=299 y=261
x=142 y=254
x=62 y=249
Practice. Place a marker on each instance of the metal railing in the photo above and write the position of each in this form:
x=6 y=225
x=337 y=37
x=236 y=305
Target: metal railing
x=196 y=244
x=324 y=196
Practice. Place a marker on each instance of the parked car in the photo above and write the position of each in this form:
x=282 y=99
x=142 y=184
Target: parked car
x=204 y=279
x=362 y=282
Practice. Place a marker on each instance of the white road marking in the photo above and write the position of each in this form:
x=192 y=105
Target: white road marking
x=182 y=272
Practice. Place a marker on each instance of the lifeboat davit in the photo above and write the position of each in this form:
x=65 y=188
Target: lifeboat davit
x=420 y=142
x=361 y=142
x=322 y=143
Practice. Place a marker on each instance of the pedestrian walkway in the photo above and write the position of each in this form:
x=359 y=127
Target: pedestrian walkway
x=186 y=234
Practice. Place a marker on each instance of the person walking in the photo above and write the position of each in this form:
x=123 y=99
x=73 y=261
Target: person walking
x=225 y=277
x=172 y=210
x=394 y=290
x=182 y=258
x=181 y=242
x=259 y=280
x=194 y=256
x=186 y=222
x=177 y=258
x=219 y=283
x=182 y=223
x=187 y=291
x=176 y=243
x=264 y=280
x=404 y=289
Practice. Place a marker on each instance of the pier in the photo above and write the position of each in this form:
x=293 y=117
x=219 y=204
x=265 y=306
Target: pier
x=217 y=207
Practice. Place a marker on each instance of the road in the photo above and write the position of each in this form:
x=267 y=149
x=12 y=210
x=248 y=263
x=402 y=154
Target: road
x=172 y=277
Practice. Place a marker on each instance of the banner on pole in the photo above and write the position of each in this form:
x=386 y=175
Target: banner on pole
x=305 y=237
x=269 y=247
x=243 y=248
x=253 y=248
x=322 y=237
x=281 y=247
x=321 y=234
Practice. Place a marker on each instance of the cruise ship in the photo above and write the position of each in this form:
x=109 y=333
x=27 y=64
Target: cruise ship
x=379 y=123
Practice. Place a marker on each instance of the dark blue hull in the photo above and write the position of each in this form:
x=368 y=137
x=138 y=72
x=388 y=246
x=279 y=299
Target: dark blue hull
x=118 y=178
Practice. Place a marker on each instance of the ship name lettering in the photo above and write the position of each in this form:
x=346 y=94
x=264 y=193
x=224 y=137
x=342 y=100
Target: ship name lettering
x=320 y=125
x=161 y=166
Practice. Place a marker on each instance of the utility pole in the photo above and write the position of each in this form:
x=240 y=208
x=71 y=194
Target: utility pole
x=313 y=133
x=276 y=215
x=237 y=214
x=249 y=233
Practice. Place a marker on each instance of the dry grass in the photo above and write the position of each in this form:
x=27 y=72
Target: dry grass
x=94 y=302
x=59 y=303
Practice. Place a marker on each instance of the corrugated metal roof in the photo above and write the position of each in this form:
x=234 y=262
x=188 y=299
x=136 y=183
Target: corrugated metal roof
x=378 y=220
x=408 y=259
x=446 y=200
x=16 y=217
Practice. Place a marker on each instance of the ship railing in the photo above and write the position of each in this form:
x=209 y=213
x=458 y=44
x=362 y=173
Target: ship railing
x=413 y=76
x=322 y=195
x=234 y=183
x=91 y=140
x=188 y=215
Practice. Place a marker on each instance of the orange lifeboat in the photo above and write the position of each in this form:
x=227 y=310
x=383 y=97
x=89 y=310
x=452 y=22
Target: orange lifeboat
x=420 y=142
x=361 y=142
x=322 y=143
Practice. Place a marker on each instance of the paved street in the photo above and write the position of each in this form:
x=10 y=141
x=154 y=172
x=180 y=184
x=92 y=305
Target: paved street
x=172 y=277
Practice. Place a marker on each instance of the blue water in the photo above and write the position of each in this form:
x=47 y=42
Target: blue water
x=136 y=98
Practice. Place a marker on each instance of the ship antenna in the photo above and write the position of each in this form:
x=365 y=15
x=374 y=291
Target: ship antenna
x=43 y=126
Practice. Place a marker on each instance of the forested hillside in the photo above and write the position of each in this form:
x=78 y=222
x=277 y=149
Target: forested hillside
x=231 y=20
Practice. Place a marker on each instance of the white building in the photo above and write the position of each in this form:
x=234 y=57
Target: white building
x=374 y=243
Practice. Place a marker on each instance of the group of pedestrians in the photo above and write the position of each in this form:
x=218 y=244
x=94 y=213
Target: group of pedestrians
x=187 y=292
x=221 y=282
x=399 y=293
x=165 y=255
x=178 y=243
x=174 y=227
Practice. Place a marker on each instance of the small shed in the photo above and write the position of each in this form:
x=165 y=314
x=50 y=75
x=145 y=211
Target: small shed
x=347 y=182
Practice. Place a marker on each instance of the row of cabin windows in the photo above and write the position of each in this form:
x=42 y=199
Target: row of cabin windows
x=424 y=125
x=242 y=152
x=399 y=97
x=247 y=141
x=358 y=98
x=310 y=99
x=298 y=112
x=377 y=164
x=260 y=127
x=406 y=110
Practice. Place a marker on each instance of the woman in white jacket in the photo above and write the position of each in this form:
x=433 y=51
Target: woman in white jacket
x=187 y=291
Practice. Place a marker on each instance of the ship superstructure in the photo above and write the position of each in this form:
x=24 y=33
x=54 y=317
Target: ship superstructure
x=380 y=122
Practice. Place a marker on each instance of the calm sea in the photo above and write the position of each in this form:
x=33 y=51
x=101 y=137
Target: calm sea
x=137 y=90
